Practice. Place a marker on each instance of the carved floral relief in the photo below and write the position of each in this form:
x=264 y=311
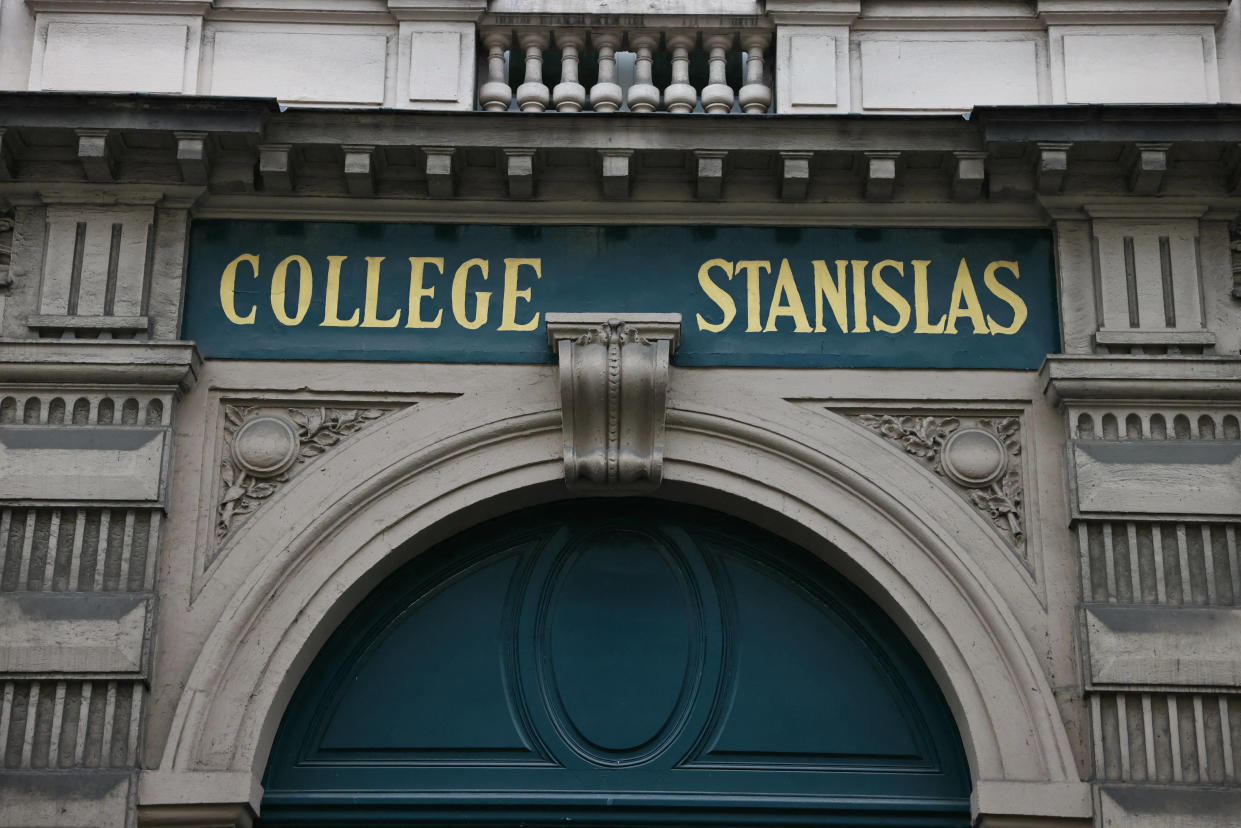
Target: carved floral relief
x=264 y=448
x=980 y=458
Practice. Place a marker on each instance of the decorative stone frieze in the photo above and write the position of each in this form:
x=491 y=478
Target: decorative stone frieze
x=613 y=391
x=60 y=723
x=264 y=447
x=1166 y=738
x=979 y=456
x=1154 y=562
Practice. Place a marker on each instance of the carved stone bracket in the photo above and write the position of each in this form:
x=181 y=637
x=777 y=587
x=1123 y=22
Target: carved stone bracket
x=981 y=458
x=613 y=393
x=264 y=447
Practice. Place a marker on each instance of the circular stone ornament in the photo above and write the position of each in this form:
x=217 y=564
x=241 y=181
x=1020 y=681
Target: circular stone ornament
x=266 y=446
x=974 y=457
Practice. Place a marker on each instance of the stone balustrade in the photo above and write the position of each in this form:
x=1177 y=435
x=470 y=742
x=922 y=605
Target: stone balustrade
x=576 y=70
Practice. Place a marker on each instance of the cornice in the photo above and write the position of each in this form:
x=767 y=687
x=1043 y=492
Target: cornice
x=1144 y=12
x=814 y=12
x=177 y=7
x=1074 y=123
x=78 y=362
x=948 y=16
x=135 y=110
x=465 y=11
x=1084 y=378
x=210 y=148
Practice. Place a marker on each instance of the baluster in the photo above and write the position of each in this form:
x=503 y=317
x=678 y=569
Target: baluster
x=606 y=95
x=569 y=95
x=717 y=97
x=643 y=96
x=755 y=97
x=495 y=95
x=680 y=96
x=532 y=95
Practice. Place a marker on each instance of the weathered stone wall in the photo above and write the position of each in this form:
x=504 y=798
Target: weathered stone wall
x=157 y=604
x=832 y=56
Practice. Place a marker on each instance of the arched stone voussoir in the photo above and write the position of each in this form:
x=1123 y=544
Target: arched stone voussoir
x=903 y=540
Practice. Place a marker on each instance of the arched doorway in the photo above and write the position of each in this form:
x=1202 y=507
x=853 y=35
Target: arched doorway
x=617 y=662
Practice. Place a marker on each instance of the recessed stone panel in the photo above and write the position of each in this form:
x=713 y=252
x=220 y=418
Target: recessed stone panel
x=1135 y=68
x=1158 y=477
x=65 y=463
x=300 y=66
x=1161 y=645
x=115 y=57
x=70 y=633
x=437 y=57
x=56 y=799
x=1165 y=807
x=960 y=74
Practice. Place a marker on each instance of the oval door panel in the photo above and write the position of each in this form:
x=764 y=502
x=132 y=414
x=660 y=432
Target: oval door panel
x=618 y=646
x=617 y=662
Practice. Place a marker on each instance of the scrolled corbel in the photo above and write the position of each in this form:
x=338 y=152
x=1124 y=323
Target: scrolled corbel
x=613 y=393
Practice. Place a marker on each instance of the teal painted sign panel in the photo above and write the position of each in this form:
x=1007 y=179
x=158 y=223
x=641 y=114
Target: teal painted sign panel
x=605 y=662
x=762 y=296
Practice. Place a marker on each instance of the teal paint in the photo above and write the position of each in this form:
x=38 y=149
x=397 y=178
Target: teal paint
x=617 y=662
x=639 y=269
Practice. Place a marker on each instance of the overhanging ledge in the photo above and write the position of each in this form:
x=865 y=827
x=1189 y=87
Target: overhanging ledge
x=175 y=364
x=1109 y=122
x=1080 y=377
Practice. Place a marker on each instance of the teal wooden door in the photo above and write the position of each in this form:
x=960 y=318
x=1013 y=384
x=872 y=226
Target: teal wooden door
x=619 y=662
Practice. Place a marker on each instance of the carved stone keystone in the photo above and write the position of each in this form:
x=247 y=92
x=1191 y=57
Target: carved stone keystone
x=613 y=393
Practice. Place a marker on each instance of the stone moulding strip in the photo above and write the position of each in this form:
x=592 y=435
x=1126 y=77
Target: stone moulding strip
x=175 y=364
x=1071 y=378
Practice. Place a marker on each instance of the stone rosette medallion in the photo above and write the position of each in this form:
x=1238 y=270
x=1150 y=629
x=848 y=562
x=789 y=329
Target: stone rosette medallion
x=265 y=447
x=980 y=457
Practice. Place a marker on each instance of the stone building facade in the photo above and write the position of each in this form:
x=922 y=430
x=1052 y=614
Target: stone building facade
x=190 y=508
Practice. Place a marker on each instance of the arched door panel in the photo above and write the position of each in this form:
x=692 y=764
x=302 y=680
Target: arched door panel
x=617 y=662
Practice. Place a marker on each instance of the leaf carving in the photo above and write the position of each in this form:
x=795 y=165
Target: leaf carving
x=924 y=436
x=318 y=429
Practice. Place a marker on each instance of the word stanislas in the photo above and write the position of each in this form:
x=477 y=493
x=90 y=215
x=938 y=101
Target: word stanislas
x=847 y=288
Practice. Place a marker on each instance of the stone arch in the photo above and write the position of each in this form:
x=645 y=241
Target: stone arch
x=900 y=537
